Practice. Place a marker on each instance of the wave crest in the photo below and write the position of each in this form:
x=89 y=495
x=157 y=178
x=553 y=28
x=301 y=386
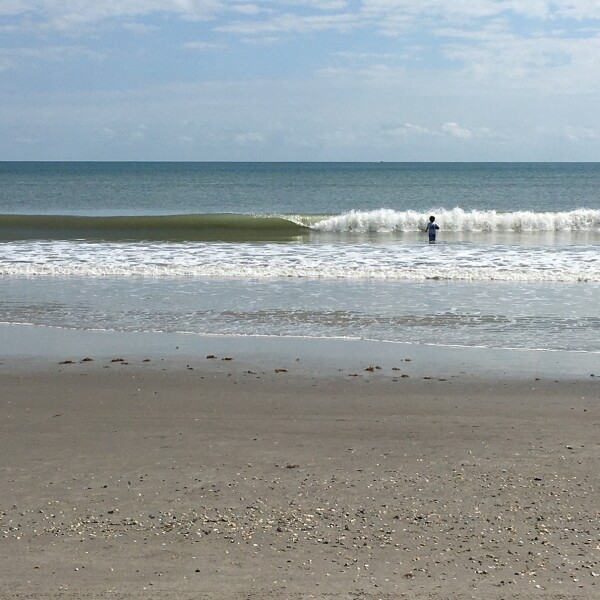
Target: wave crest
x=458 y=219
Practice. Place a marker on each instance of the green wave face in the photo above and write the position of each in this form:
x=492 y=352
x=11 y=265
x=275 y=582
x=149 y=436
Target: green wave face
x=179 y=228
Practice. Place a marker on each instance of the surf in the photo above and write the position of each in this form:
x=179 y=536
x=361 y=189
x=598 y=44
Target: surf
x=417 y=261
x=459 y=220
x=229 y=227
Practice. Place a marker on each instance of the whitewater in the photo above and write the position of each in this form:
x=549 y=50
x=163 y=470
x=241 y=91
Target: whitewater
x=459 y=219
x=415 y=261
x=377 y=245
x=306 y=250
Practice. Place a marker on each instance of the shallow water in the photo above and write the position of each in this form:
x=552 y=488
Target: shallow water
x=487 y=314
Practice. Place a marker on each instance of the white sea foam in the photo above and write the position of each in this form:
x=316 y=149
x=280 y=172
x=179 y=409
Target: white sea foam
x=458 y=219
x=415 y=262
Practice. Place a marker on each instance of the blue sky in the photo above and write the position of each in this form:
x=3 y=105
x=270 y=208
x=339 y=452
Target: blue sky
x=366 y=80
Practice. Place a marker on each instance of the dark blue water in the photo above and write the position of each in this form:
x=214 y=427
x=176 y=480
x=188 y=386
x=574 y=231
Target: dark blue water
x=293 y=188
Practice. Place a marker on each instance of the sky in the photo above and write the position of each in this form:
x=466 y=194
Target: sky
x=300 y=80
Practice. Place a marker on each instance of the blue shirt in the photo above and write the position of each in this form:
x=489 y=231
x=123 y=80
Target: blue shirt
x=431 y=229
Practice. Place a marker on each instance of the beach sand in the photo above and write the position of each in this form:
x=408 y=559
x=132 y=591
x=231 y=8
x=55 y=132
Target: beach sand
x=214 y=478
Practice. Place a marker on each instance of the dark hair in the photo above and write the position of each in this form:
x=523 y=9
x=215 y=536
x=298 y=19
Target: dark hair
x=432 y=218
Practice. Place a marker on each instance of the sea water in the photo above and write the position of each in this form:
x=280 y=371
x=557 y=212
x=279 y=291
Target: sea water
x=315 y=250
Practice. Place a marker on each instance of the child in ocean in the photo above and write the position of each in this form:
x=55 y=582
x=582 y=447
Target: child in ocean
x=431 y=228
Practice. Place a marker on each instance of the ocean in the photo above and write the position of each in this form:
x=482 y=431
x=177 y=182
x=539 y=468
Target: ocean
x=307 y=250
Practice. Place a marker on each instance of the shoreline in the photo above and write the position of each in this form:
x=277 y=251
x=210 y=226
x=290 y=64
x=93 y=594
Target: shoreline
x=25 y=345
x=265 y=477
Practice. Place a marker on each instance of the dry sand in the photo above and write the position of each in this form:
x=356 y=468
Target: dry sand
x=136 y=479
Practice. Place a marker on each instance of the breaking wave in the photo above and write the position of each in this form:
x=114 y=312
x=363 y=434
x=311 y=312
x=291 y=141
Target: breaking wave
x=248 y=228
x=457 y=219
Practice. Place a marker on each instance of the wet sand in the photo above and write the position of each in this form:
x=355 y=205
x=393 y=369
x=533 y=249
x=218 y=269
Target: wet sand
x=214 y=478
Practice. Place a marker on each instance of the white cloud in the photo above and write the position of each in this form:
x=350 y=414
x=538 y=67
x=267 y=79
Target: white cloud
x=365 y=55
x=292 y=23
x=265 y=40
x=409 y=129
x=204 y=46
x=319 y=4
x=107 y=132
x=247 y=9
x=138 y=28
x=69 y=15
x=391 y=17
x=578 y=134
x=72 y=15
x=139 y=133
x=10 y=58
x=459 y=11
x=578 y=9
x=455 y=130
x=520 y=67
x=235 y=120
x=544 y=63
x=17 y=7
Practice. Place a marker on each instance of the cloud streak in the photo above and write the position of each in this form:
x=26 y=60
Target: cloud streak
x=10 y=58
x=301 y=79
x=388 y=16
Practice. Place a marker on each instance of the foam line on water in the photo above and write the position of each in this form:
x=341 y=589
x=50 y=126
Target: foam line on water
x=415 y=262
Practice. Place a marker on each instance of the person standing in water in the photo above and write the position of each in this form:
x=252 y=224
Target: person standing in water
x=431 y=229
